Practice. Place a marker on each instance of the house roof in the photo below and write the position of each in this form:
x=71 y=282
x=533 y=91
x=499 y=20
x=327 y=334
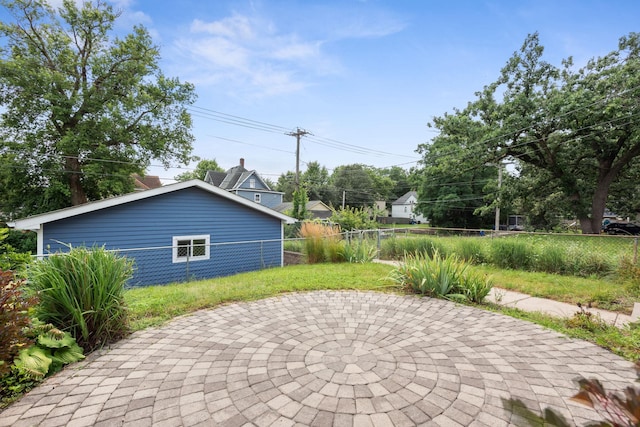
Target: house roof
x=34 y=222
x=233 y=178
x=403 y=200
x=312 y=205
x=146 y=182
x=215 y=177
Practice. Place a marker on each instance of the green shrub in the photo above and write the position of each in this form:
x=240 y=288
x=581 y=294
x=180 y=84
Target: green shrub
x=353 y=219
x=446 y=277
x=14 y=318
x=82 y=292
x=512 y=254
x=10 y=258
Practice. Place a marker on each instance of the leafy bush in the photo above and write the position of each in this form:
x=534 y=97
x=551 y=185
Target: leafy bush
x=14 y=318
x=446 y=277
x=82 y=292
x=353 y=219
x=10 y=258
x=22 y=241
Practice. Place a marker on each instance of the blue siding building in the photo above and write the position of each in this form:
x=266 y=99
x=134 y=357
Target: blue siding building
x=188 y=230
x=245 y=183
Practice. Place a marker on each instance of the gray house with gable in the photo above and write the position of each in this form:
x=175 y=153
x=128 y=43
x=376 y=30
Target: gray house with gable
x=245 y=183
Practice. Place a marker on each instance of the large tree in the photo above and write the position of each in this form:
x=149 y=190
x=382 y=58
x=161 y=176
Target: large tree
x=82 y=109
x=453 y=181
x=356 y=184
x=575 y=129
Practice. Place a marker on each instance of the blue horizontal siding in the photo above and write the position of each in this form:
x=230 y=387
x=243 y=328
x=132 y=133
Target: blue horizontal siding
x=154 y=221
x=270 y=200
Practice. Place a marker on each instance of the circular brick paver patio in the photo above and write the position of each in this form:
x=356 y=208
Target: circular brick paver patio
x=326 y=358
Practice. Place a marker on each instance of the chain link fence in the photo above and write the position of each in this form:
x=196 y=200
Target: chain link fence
x=181 y=263
x=196 y=261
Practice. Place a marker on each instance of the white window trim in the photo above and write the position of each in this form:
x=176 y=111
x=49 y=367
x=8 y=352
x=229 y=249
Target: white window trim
x=252 y=183
x=207 y=247
x=257 y=198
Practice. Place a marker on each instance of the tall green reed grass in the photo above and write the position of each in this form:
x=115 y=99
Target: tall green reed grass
x=82 y=292
x=443 y=277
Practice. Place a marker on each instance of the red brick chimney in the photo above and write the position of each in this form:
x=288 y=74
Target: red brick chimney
x=241 y=162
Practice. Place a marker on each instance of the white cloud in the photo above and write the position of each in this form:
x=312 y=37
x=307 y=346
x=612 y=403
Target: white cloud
x=236 y=27
x=250 y=56
x=254 y=56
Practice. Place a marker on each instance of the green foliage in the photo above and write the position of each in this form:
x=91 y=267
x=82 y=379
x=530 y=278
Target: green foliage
x=22 y=241
x=13 y=385
x=353 y=219
x=565 y=128
x=552 y=259
x=361 y=251
x=10 y=259
x=356 y=182
x=629 y=274
x=14 y=318
x=200 y=170
x=52 y=350
x=446 y=277
x=82 y=292
x=300 y=200
x=101 y=103
x=397 y=247
x=511 y=253
x=470 y=251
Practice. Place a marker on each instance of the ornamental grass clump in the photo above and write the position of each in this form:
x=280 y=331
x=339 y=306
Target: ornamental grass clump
x=322 y=242
x=443 y=277
x=82 y=292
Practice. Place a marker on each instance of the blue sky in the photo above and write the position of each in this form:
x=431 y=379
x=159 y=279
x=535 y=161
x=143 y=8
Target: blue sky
x=365 y=77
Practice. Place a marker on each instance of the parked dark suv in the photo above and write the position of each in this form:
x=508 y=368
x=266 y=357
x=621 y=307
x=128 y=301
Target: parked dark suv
x=627 y=228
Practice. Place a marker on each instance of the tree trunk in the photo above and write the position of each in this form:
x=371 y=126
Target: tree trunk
x=74 y=171
x=593 y=225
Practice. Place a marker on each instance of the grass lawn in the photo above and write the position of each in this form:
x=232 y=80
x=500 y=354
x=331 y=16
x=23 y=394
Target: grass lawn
x=151 y=306
x=602 y=293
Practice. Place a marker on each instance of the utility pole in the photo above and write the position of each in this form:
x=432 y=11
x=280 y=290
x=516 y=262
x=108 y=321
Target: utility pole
x=299 y=133
x=497 y=222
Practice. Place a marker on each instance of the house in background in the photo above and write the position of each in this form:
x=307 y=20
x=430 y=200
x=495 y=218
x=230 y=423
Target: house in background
x=404 y=207
x=146 y=182
x=245 y=183
x=317 y=209
x=174 y=233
